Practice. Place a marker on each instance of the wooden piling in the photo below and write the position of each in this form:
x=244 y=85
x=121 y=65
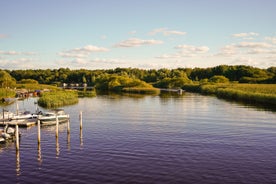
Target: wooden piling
x=57 y=123
x=17 y=136
x=38 y=131
x=80 y=117
x=17 y=162
x=68 y=126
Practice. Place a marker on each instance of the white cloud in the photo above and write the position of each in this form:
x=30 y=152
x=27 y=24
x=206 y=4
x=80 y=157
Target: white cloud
x=89 y=49
x=257 y=62
x=192 y=49
x=169 y=56
x=258 y=51
x=13 y=53
x=72 y=55
x=253 y=45
x=136 y=42
x=249 y=35
x=271 y=39
x=96 y=63
x=228 y=50
x=166 y=32
x=17 y=63
x=185 y=51
x=82 y=52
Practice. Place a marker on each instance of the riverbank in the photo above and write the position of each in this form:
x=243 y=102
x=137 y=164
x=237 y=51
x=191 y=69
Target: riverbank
x=252 y=93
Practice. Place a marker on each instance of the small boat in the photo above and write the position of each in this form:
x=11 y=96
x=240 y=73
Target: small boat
x=24 y=116
x=8 y=133
x=6 y=115
x=49 y=118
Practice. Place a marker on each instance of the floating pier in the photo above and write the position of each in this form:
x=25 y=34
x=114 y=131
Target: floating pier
x=20 y=123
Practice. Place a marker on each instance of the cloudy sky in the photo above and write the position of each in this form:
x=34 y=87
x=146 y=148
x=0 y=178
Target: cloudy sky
x=101 y=34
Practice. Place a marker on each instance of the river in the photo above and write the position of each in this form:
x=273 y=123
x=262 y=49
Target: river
x=147 y=139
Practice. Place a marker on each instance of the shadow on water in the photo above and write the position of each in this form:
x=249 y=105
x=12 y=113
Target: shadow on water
x=257 y=106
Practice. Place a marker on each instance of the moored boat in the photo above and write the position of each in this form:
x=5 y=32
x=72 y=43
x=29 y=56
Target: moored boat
x=6 y=115
x=23 y=116
x=49 y=118
x=8 y=133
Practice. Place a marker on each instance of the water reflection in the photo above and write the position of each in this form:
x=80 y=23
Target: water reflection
x=81 y=137
x=17 y=163
x=68 y=141
x=39 y=156
x=57 y=148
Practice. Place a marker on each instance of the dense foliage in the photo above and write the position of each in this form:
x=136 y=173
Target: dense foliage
x=224 y=81
x=6 y=80
x=240 y=73
x=6 y=93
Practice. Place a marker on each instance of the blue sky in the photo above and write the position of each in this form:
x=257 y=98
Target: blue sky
x=139 y=34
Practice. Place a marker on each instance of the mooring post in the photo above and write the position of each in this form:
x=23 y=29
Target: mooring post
x=3 y=116
x=80 y=119
x=17 y=162
x=68 y=126
x=38 y=131
x=57 y=126
x=17 y=136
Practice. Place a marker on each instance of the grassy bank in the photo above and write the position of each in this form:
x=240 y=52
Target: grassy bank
x=141 y=90
x=87 y=93
x=58 y=98
x=253 y=93
x=36 y=86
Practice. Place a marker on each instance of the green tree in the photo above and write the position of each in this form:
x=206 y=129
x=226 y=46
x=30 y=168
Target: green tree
x=219 y=79
x=6 y=80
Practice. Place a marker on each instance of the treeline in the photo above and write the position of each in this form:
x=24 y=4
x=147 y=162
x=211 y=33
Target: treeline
x=158 y=77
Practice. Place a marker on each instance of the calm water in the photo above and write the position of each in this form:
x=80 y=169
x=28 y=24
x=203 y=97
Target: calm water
x=148 y=139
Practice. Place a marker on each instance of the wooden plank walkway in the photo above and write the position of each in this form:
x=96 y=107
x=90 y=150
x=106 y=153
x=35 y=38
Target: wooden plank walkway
x=20 y=123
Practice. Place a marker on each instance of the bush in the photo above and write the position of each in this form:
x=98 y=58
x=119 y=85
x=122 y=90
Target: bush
x=219 y=79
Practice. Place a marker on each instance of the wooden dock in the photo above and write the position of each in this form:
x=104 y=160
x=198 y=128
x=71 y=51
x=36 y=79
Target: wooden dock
x=179 y=91
x=20 y=123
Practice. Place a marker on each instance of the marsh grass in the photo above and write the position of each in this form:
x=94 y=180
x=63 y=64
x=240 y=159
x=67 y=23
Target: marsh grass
x=87 y=93
x=141 y=90
x=253 y=93
x=58 y=98
x=36 y=86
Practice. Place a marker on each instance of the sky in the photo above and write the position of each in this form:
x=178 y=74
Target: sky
x=146 y=34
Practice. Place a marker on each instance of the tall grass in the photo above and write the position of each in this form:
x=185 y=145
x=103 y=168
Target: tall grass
x=36 y=86
x=254 y=93
x=87 y=93
x=141 y=90
x=58 y=99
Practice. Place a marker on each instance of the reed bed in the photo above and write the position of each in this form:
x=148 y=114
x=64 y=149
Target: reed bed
x=36 y=86
x=141 y=90
x=87 y=93
x=254 y=93
x=58 y=98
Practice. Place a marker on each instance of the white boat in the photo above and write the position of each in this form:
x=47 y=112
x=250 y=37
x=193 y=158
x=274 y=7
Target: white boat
x=24 y=116
x=8 y=133
x=49 y=118
x=6 y=115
